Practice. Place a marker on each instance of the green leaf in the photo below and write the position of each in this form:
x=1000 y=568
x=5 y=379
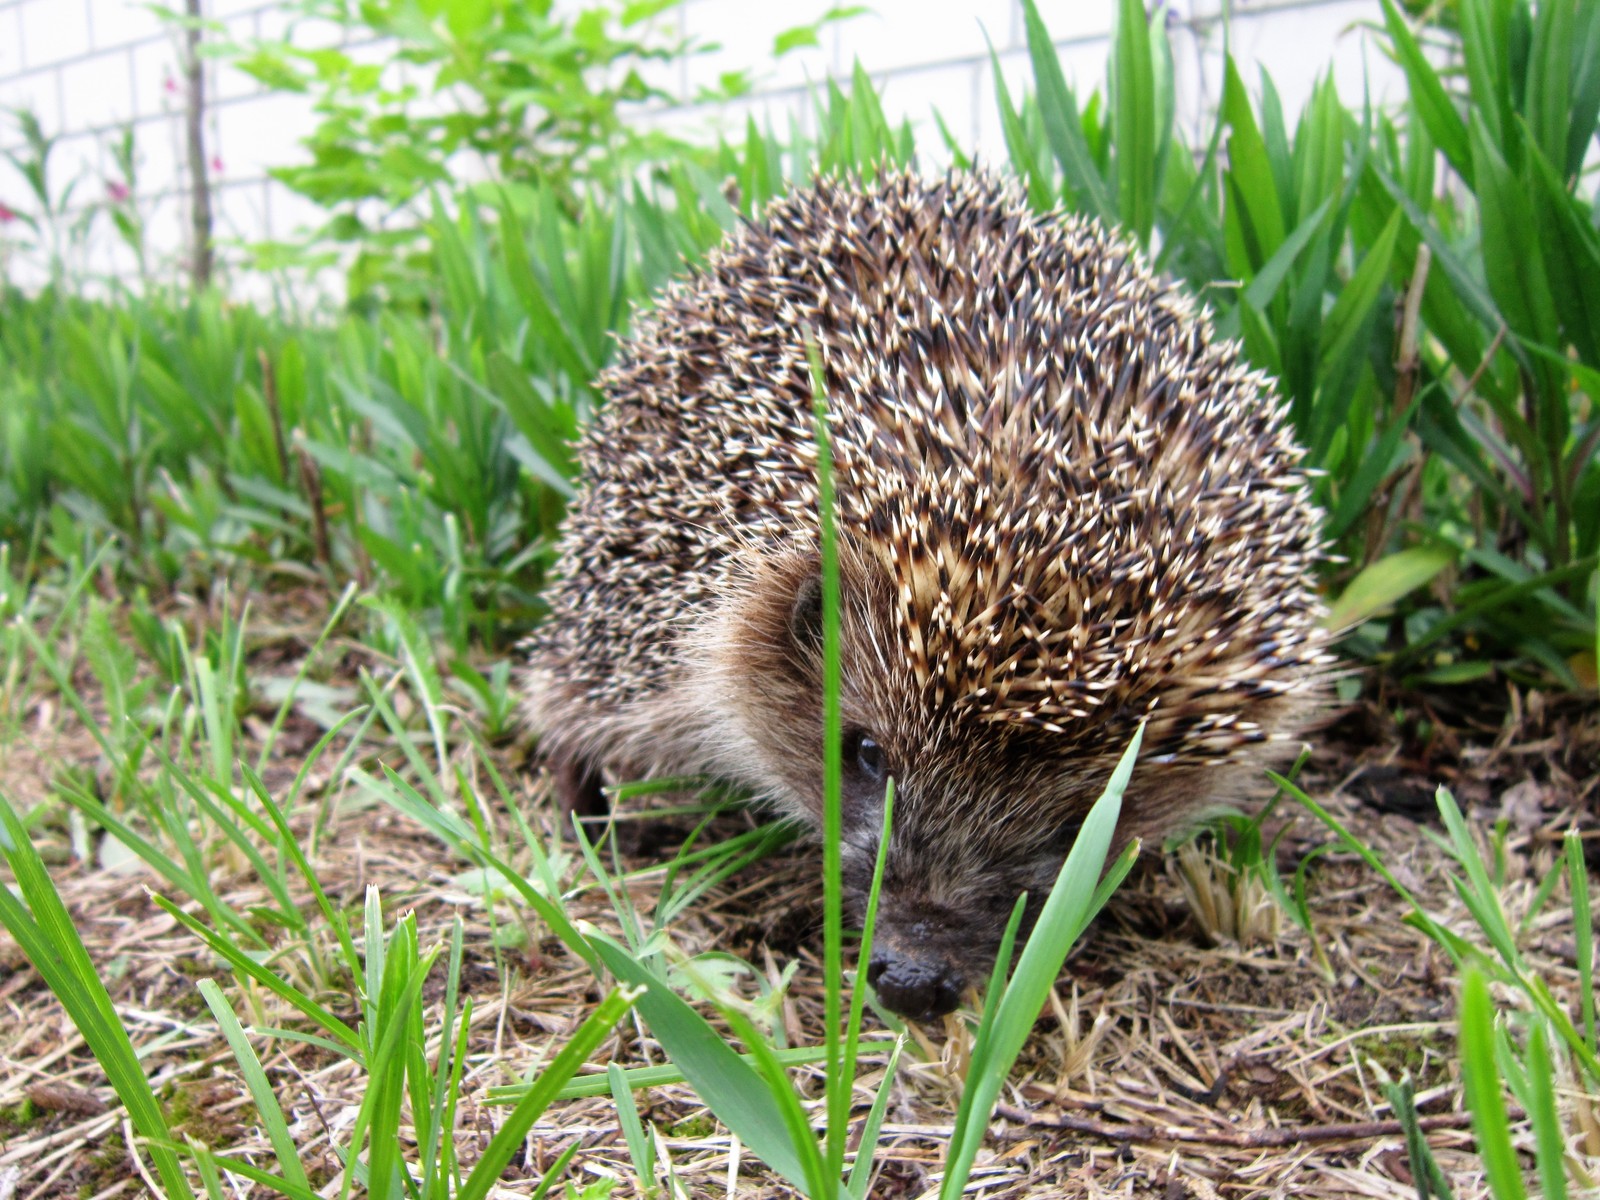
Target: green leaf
x=1509 y=244
x=1359 y=297
x=794 y=39
x=46 y=933
x=1585 y=89
x=1133 y=120
x=1360 y=484
x=861 y=1170
x=1431 y=1181
x=644 y=1077
x=1486 y=48
x=1484 y=1097
x=640 y=1148
x=1253 y=207
x=535 y=287
x=513 y=1131
x=958 y=156
x=1062 y=124
x=1078 y=894
x=1017 y=144
x=731 y=1088
x=1549 y=1140
x=449 y=828
x=839 y=1087
x=1570 y=251
x=1385 y=582
x=549 y=431
x=1583 y=934
x=1549 y=88
x=1273 y=272
x=1428 y=95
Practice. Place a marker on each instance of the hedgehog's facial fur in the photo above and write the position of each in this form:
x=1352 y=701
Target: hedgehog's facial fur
x=983 y=812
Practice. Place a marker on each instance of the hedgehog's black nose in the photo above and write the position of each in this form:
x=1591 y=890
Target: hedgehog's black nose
x=917 y=988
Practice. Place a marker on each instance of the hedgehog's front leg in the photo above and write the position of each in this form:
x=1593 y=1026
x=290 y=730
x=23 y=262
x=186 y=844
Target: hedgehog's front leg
x=578 y=787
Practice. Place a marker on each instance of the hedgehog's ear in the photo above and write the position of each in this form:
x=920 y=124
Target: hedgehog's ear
x=805 y=614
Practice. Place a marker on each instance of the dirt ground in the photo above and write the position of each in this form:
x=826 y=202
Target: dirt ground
x=1168 y=1065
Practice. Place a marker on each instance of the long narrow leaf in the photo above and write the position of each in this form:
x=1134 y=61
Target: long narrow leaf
x=730 y=1087
x=1066 y=912
x=1062 y=124
x=1484 y=1097
x=51 y=941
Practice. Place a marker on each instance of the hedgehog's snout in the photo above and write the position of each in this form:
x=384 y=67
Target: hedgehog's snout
x=918 y=986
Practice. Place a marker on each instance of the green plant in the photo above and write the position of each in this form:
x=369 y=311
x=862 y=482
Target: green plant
x=123 y=202
x=1493 y=1058
x=1514 y=311
x=535 y=95
x=55 y=227
x=1456 y=439
x=43 y=928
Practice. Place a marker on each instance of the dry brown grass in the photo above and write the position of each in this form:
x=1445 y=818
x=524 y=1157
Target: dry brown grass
x=1173 y=1062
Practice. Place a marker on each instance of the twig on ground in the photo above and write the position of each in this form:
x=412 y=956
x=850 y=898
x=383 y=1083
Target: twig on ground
x=1248 y=1139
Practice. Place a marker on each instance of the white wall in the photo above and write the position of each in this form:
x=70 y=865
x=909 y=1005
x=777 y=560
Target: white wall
x=90 y=67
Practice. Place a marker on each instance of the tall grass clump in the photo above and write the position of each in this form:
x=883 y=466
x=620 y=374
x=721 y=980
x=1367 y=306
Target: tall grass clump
x=1431 y=332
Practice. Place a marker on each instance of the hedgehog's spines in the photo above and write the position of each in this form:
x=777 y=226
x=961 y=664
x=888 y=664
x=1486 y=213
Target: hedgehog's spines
x=1082 y=505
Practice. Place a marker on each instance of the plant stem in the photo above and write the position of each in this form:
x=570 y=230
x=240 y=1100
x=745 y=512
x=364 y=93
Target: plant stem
x=194 y=127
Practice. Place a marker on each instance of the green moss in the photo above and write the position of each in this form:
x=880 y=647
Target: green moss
x=18 y=1117
x=701 y=1126
x=106 y=1166
x=1418 y=1054
x=190 y=1111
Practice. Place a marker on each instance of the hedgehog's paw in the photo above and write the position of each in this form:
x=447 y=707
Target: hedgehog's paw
x=578 y=788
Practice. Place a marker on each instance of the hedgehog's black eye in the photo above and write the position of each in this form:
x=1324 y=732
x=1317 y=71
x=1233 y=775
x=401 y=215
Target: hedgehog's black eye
x=869 y=758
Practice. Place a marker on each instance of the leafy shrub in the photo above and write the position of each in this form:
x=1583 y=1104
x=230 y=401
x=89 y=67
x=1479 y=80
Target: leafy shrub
x=505 y=92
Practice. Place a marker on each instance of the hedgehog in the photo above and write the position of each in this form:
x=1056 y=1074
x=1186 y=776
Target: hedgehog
x=1064 y=508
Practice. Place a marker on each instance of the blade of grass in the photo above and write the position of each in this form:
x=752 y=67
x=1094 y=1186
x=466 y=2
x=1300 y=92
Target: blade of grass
x=1133 y=120
x=839 y=1083
x=1484 y=1098
x=861 y=1170
x=858 y=991
x=640 y=1148
x=643 y=1077
x=255 y=1079
x=1582 y=933
x=1549 y=1148
x=1071 y=905
x=352 y=1045
x=1062 y=123
x=732 y=1088
x=44 y=929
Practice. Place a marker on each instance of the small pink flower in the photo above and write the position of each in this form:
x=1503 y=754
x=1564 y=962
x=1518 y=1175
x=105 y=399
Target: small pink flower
x=216 y=163
x=170 y=84
x=117 y=191
x=7 y=214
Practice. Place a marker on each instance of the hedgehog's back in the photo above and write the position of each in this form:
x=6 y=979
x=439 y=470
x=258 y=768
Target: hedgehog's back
x=1082 y=503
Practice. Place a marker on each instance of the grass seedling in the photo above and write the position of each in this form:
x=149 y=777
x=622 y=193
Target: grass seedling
x=44 y=929
x=392 y=1045
x=1484 y=1097
x=641 y=1149
x=1011 y=1008
x=1582 y=933
x=839 y=1084
x=1491 y=1058
x=1425 y=1170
